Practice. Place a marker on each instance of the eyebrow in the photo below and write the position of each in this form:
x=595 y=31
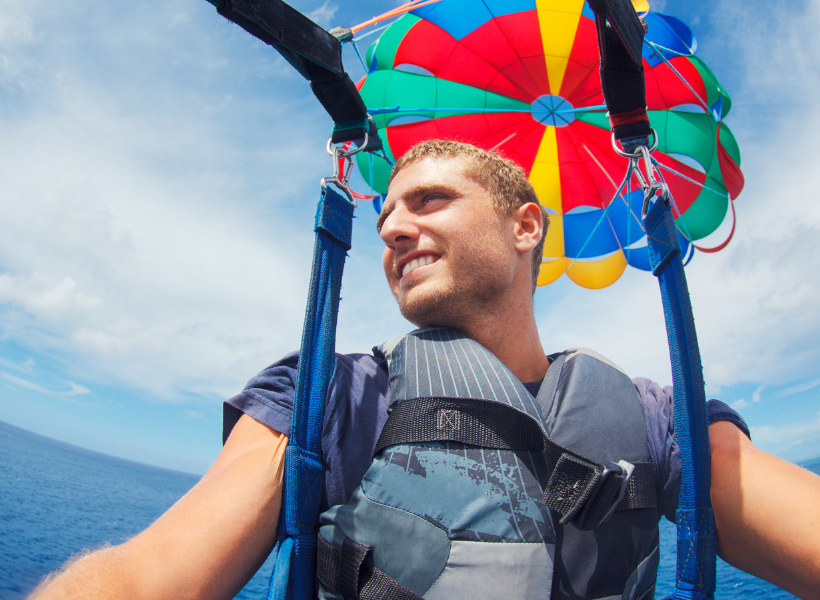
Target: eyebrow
x=413 y=193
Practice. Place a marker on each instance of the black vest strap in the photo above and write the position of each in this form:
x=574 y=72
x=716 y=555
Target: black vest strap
x=347 y=572
x=474 y=422
x=578 y=489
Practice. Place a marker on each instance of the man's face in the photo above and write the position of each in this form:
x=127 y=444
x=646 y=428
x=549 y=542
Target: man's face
x=449 y=254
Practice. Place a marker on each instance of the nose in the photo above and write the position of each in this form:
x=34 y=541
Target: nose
x=399 y=226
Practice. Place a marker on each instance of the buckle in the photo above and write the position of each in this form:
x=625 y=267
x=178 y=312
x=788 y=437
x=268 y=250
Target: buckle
x=606 y=494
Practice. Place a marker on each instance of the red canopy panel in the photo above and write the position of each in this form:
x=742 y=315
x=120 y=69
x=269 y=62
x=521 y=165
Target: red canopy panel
x=665 y=90
x=583 y=60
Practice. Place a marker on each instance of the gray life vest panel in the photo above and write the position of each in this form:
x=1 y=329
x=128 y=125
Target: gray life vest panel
x=479 y=490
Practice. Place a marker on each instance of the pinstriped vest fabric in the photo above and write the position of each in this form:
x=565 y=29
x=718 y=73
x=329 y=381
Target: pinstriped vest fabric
x=453 y=520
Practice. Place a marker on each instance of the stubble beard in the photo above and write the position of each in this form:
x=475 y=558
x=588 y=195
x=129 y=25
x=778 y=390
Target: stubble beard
x=457 y=304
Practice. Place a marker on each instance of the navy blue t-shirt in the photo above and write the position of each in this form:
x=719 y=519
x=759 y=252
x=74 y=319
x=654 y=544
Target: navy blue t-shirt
x=357 y=409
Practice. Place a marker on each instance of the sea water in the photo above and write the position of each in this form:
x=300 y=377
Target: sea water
x=57 y=499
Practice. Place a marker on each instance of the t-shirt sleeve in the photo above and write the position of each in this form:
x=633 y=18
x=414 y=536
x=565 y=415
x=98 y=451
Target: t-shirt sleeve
x=659 y=411
x=268 y=398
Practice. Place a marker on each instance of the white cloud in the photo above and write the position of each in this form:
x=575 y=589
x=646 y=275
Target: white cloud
x=792 y=441
x=52 y=300
x=15 y=24
x=801 y=387
x=25 y=384
x=158 y=190
x=755 y=303
x=74 y=389
x=25 y=367
x=324 y=14
x=756 y=394
x=740 y=404
x=153 y=234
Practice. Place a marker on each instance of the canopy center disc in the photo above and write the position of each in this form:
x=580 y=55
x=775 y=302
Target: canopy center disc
x=553 y=111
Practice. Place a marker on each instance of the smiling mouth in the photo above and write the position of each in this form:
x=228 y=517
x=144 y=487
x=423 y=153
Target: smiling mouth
x=419 y=261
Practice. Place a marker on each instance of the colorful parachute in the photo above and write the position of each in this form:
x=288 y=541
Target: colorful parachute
x=521 y=77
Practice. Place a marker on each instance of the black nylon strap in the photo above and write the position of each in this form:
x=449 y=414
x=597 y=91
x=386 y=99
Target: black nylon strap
x=620 y=42
x=350 y=567
x=580 y=490
x=307 y=46
x=335 y=568
x=474 y=422
x=625 y=22
x=314 y=52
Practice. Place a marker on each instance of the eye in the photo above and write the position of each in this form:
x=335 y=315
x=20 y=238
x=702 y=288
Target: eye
x=432 y=196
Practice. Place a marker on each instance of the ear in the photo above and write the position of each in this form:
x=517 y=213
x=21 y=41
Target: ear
x=528 y=227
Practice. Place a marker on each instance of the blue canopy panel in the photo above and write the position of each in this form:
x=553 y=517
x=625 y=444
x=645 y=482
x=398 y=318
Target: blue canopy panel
x=670 y=33
x=599 y=232
x=458 y=20
x=588 y=235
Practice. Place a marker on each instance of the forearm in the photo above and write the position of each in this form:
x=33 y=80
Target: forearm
x=93 y=575
x=206 y=546
x=767 y=514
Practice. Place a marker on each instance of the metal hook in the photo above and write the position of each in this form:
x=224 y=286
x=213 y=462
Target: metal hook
x=623 y=152
x=651 y=185
x=341 y=178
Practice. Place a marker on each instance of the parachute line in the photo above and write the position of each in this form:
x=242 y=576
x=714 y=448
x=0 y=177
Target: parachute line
x=376 y=30
x=624 y=198
x=383 y=110
x=676 y=72
x=504 y=141
x=359 y=54
x=670 y=50
x=690 y=180
x=598 y=224
x=484 y=79
x=404 y=8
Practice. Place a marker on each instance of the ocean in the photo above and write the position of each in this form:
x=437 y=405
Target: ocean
x=57 y=499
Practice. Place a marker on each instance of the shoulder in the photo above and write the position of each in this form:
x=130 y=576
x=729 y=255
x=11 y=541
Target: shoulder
x=268 y=395
x=280 y=377
x=658 y=405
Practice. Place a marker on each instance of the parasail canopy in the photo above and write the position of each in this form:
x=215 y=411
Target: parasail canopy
x=521 y=77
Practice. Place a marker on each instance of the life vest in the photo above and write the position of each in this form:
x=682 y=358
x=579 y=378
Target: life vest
x=477 y=489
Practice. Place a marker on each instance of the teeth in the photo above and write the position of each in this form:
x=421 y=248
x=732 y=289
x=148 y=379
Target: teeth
x=414 y=264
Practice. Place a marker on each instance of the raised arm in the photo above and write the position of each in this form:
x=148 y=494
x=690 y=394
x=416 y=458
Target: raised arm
x=208 y=545
x=767 y=512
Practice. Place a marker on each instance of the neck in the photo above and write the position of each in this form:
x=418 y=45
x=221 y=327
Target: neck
x=512 y=336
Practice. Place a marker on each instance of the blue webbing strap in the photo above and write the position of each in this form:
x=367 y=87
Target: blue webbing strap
x=697 y=541
x=295 y=569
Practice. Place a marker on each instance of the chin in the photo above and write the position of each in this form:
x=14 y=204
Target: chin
x=431 y=310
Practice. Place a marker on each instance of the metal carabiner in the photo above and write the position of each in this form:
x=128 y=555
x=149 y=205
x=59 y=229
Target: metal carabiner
x=652 y=186
x=341 y=177
x=623 y=152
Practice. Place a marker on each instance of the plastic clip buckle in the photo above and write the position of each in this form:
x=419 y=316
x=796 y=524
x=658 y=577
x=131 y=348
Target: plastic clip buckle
x=623 y=470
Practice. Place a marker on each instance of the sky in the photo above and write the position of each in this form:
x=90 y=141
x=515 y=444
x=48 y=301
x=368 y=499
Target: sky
x=159 y=174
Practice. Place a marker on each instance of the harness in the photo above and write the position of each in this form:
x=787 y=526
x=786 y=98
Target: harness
x=317 y=55
x=478 y=489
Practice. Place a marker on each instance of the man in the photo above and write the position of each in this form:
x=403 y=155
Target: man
x=463 y=232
